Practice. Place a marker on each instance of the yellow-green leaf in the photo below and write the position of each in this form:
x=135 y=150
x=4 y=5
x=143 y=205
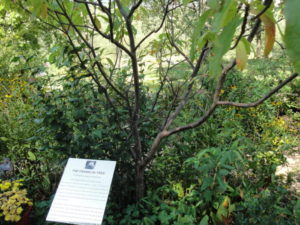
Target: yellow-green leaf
x=196 y=38
x=97 y=23
x=44 y=11
x=221 y=46
x=242 y=52
x=31 y=156
x=225 y=15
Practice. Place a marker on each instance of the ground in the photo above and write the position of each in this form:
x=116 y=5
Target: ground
x=292 y=167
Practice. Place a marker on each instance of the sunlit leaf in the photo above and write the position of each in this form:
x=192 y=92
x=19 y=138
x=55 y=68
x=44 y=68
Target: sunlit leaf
x=242 y=52
x=225 y=15
x=197 y=33
x=204 y=220
x=31 y=156
x=44 y=11
x=270 y=33
x=221 y=46
x=292 y=31
x=97 y=23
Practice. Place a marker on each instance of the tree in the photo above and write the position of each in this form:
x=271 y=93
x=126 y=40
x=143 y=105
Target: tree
x=193 y=35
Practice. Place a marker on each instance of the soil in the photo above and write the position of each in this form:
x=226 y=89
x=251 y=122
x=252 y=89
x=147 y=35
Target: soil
x=292 y=167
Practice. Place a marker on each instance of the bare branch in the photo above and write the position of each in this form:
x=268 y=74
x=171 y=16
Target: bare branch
x=136 y=80
x=243 y=29
x=87 y=2
x=122 y=10
x=134 y=8
x=99 y=65
x=162 y=83
x=164 y=133
x=264 y=98
x=254 y=30
x=213 y=106
x=109 y=37
x=180 y=52
x=267 y=4
x=159 y=28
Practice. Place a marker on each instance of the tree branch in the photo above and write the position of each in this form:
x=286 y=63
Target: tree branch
x=159 y=28
x=243 y=29
x=109 y=37
x=171 y=40
x=268 y=4
x=135 y=7
x=87 y=2
x=99 y=65
x=136 y=81
x=264 y=98
x=164 y=133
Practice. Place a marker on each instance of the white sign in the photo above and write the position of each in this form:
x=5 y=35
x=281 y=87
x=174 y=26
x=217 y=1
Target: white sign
x=82 y=192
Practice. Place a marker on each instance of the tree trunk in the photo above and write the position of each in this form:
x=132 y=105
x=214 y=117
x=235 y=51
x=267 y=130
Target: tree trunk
x=139 y=182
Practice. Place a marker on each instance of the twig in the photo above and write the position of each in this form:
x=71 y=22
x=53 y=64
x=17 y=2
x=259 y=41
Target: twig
x=264 y=98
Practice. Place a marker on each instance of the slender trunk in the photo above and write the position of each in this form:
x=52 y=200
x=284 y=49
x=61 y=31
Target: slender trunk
x=139 y=182
x=258 y=41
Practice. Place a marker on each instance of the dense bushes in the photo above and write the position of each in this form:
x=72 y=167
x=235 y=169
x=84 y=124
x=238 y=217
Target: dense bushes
x=221 y=173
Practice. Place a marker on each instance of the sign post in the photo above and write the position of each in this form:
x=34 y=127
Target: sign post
x=82 y=193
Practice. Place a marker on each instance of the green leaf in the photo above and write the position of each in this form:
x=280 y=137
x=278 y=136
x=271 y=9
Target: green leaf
x=206 y=183
x=213 y=4
x=185 y=2
x=111 y=63
x=164 y=218
x=231 y=208
x=247 y=45
x=178 y=189
x=223 y=172
x=292 y=31
x=147 y=221
x=242 y=52
x=196 y=40
x=36 y=6
x=97 y=23
x=222 y=185
x=97 y=133
x=225 y=15
x=16 y=58
x=3 y=139
x=222 y=212
x=31 y=156
x=221 y=46
x=44 y=11
x=204 y=220
x=207 y=195
x=38 y=121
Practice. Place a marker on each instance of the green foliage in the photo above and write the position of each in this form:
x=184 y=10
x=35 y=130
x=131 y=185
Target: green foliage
x=221 y=46
x=221 y=173
x=273 y=205
x=198 y=43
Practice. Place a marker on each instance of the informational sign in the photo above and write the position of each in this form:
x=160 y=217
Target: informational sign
x=82 y=192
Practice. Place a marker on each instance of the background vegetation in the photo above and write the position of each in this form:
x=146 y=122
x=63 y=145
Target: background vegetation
x=80 y=85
